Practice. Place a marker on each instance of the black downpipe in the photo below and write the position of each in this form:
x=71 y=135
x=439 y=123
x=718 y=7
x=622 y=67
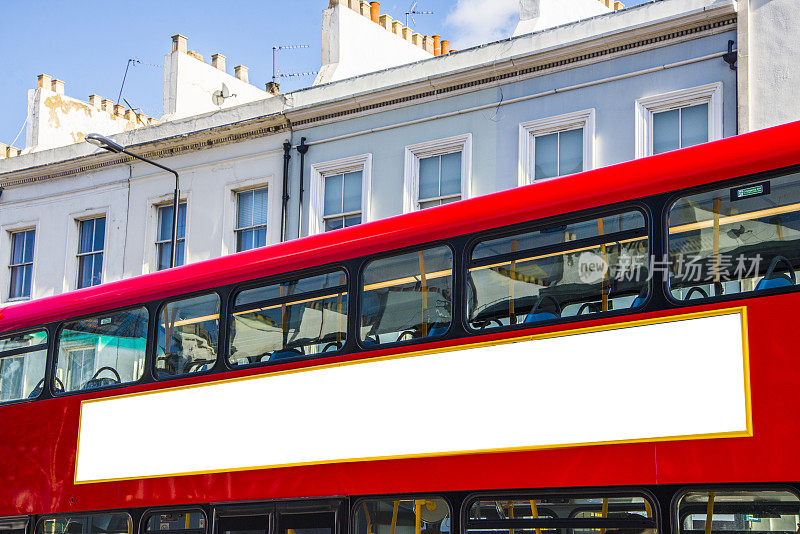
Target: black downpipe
x=302 y=148
x=287 y=148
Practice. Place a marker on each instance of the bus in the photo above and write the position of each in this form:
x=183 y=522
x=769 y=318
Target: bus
x=608 y=352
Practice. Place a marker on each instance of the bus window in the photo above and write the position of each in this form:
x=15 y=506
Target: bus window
x=85 y=524
x=577 y=268
x=560 y=514
x=735 y=239
x=101 y=351
x=407 y=296
x=301 y=317
x=424 y=515
x=184 y=521
x=22 y=361
x=13 y=525
x=192 y=328
x=738 y=510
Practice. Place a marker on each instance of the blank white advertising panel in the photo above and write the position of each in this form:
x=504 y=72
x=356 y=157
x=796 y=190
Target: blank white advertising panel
x=646 y=382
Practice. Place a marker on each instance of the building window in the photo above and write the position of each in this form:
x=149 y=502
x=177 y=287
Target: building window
x=340 y=193
x=342 y=202
x=251 y=219
x=437 y=172
x=90 y=252
x=21 y=264
x=164 y=237
x=678 y=119
x=556 y=146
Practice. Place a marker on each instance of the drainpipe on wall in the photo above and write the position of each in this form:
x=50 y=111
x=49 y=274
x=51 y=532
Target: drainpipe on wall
x=287 y=148
x=302 y=148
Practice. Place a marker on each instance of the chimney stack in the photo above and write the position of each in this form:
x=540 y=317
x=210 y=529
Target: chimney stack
x=218 y=61
x=44 y=81
x=240 y=71
x=179 y=43
x=95 y=101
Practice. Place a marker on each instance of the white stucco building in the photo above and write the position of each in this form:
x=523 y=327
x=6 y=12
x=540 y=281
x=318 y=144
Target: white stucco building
x=606 y=85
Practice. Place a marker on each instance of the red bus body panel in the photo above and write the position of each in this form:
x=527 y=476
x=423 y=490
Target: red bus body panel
x=38 y=439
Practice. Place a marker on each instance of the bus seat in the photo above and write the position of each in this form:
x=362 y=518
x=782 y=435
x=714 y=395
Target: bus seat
x=437 y=331
x=772 y=279
x=284 y=354
x=640 y=298
x=539 y=314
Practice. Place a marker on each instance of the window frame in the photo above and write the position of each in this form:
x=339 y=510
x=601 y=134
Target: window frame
x=680 y=493
x=672 y=197
x=645 y=107
x=11 y=266
x=236 y=229
x=116 y=511
x=359 y=286
x=603 y=211
x=21 y=351
x=274 y=280
x=414 y=153
x=445 y=496
x=320 y=171
x=158 y=243
x=529 y=130
x=52 y=359
x=101 y=252
x=149 y=512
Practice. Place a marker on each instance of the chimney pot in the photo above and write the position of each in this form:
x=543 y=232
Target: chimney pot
x=95 y=101
x=437 y=45
x=107 y=105
x=273 y=88
x=240 y=71
x=179 y=43
x=57 y=86
x=375 y=12
x=218 y=61
x=445 y=46
x=44 y=80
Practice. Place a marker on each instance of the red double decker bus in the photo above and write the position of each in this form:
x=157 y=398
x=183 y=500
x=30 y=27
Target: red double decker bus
x=612 y=351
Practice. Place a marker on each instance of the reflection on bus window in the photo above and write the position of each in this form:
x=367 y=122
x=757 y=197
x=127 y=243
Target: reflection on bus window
x=537 y=514
x=176 y=521
x=22 y=361
x=13 y=525
x=85 y=524
x=735 y=239
x=188 y=334
x=408 y=296
x=101 y=351
x=292 y=319
x=427 y=515
x=739 y=511
x=580 y=268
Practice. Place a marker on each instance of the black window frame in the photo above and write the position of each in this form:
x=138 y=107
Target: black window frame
x=24 y=350
x=149 y=512
x=121 y=511
x=238 y=289
x=444 y=495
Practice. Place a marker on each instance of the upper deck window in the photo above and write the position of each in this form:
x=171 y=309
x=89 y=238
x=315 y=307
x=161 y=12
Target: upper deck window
x=560 y=514
x=291 y=319
x=188 y=335
x=407 y=296
x=22 y=362
x=576 y=268
x=738 y=510
x=101 y=351
x=115 y=523
x=735 y=239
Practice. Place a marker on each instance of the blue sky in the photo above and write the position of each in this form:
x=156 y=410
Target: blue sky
x=88 y=44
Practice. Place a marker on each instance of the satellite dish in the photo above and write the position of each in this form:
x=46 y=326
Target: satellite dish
x=434 y=510
x=219 y=96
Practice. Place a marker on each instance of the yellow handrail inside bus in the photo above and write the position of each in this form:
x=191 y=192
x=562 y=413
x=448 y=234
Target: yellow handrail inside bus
x=535 y=514
x=710 y=511
x=395 y=509
x=730 y=219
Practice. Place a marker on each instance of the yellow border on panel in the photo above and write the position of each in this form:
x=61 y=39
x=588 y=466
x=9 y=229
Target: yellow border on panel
x=741 y=310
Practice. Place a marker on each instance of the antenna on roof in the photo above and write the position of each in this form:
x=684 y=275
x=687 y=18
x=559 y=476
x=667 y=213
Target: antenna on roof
x=412 y=11
x=276 y=73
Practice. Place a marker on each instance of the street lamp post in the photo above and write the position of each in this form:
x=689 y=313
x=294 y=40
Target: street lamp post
x=107 y=144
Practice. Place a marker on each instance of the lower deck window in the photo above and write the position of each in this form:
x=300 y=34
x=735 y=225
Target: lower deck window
x=428 y=515
x=560 y=514
x=736 y=511
x=183 y=521
x=85 y=524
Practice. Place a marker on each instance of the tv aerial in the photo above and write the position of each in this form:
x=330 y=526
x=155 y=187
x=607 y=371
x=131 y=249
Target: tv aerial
x=276 y=73
x=220 y=95
x=413 y=11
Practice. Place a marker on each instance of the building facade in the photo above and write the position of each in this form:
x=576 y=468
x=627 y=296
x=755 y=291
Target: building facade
x=434 y=126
